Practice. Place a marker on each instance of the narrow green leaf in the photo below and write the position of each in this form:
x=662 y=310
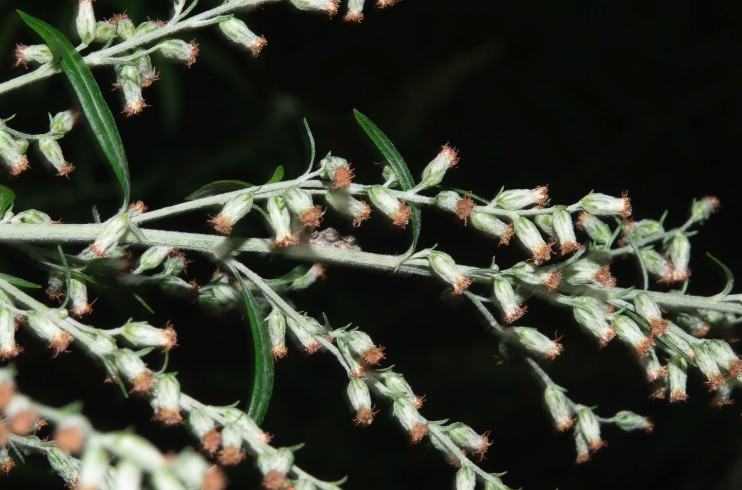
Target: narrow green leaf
x=263 y=383
x=144 y=352
x=146 y=306
x=277 y=175
x=67 y=277
x=7 y=196
x=218 y=187
x=398 y=165
x=727 y=273
x=19 y=282
x=311 y=144
x=299 y=272
x=91 y=99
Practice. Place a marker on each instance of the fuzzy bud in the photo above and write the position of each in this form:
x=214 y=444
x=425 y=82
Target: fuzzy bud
x=643 y=228
x=232 y=444
x=233 y=211
x=152 y=258
x=360 y=398
x=62 y=122
x=277 y=330
x=274 y=467
x=529 y=236
x=128 y=475
x=434 y=172
x=645 y=307
x=467 y=439
x=113 y=231
x=583 y=451
x=204 y=429
x=410 y=418
x=58 y=339
x=453 y=203
x=725 y=357
x=327 y=6
x=586 y=271
x=124 y=26
x=677 y=370
x=657 y=265
x=603 y=205
x=305 y=337
x=127 y=77
x=589 y=427
x=465 y=478
x=31 y=217
x=39 y=53
x=521 y=198
x=702 y=209
x=11 y=155
x=104 y=31
x=189 y=467
x=342 y=201
x=133 y=369
x=399 y=387
x=383 y=199
x=445 y=267
x=147 y=27
x=338 y=170
x=492 y=226
x=136 y=448
x=166 y=400
x=597 y=230
x=694 y=325
x=180 y=50
x=595 y=322
x=565 y=230
x=537 y=276
x=93 y=468
x=355 y=11
x=629 y=421
x=362 y=345
x=505 y=296
x=546 y=224
x=535 y=343
x=679 y=252
x=237 y=31
x=78 y=293
x=147 y=73
x=708 y=367
x=300 y=204
x=629 y=333
x=281 y=221
x=53 y=153
x=85 y=22
x=560 y=411
x=8 y=348
x=141 y=334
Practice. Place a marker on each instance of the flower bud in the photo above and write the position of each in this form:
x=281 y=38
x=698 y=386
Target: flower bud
x=124 y=26
x=464 y=437
x=136 y=448
x=465 y=478
x=589 y=427
x=275 y=466
x=39 y=53
x=679 y=252
x=133 y=369
x=643 y=228
x=537 y=276
x=327 y=6
x=681 y=340
x=652 y=367
x=586 y=271
x=362 y=345
x=147 y=73
x=535 y=343
x=677 y=370
x=277 y=330
x=434 y=172
x=147 y=27
x=8 y=348
x=342 y=201
x=86 y=22
x=505 y=296
x=520 y=198
x=595 y=322
x=113 y=231
x=127 y=77
x=594 y=227
x=62 y=463
x=104 y=31
x=492 y=225
x=305 y=337
x=31 y=217
x=79 y=295
x=565 y=230
x=657 y=265
x=708 y=367
x=546 y=224
x=360 y=398
x=444 y=266
x=629 y=333
x=629 y=421
x=338 y=170
x=11 y=155
x=247 y=426
x=141 y=334
x=189 y=467
x=300 y=204
x=232 y=444
x=384 y=200
x=603 y=205
x=453 y=203
x=399 y=387
x=281 y=221
x=529 y=236
x=703 y=209
x=390 y=176
x=692 y=324
x=725 y=357
x=238 y=32
x=204 y=429
x=233 y=211
x=62 y=122
x=128 y=475
x=645 y=307
x=180 y=50
x=166 y=400
x=559 y=408
x=410 y=419
x=58 y=339
x=152 y=258
x=93 y=468
x=164 y=479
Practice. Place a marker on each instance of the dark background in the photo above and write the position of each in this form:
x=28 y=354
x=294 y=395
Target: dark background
x=581 y=95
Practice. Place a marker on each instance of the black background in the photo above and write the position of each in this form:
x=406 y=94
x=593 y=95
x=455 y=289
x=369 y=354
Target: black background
x=610 y=96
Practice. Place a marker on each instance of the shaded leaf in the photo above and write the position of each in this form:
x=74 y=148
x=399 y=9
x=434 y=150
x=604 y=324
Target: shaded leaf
x=7 y=196
x=277 y=175
x=727 y=273
x=146 y=306
x=18 y=281
x=218 y=187
x=311 y=144
x=299 y=272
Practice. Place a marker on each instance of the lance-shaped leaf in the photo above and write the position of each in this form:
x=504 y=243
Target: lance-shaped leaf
x=7 y=196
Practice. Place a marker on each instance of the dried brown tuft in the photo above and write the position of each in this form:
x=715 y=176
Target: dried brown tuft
x=210 y=442
x=551 y=283
x=735 y=368
x=418 y=432
x=365 y=416
x=20 y=50
x=343 y=177
x=285 y=241
x=702 y=330
x=257 y=45
x=596 y=444
x=715 y=204
x=55 y=294
x=19 y=166
x=168 y=416
x=553 y=352
x=69 y=438
x=230 y=456
x=10 y=351
x=386 y=3
x=505 y=238
x=680 y=276
x=604 y=277
x=565 y=424
x=625 y=211
x=643 y=347
x=265 y=437
x=98 y=250
x=359 y=371
x=569 y=246
x=659 y=326
x=402 y=216
x=655 y=375
x=581 y=218
x=484 y=444
x=81 y=310
x=514 y=314
x=582 y=458
x=221 y=224
x=721 y=402
x=60 y=342
x=363 y=215
x=417 y=401
x=7 y=390
x=715 y=382
x=607 y=336
x=171 y=337
x=134 y=108
x=193 y=47
x=279 y=352
x=66 y=169
x=150 y=79
x=22 y=422
x=138 y=207
x=214 y=479
x=451 y=154
x=465 y=206
x=541 y=254
x=374 y=355
x=313 y=217
x=143 y=383
x=274 y=480
x=354 y=16
x=313 y=347
x=7 y=465
x=462 y=282
x=543 y=194
x=677 y=396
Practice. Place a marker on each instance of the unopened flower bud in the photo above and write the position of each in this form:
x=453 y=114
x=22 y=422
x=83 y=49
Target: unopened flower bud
x=204 y=429
x=147 y=73
x=113 y=231
x=585 y=271
x=362 y=345
x=85 y=22
x=355 y=11
x=166 y=400
x=275 y=466
x=238 y=32
x=127 y=78
x=703 y=209
x=58 y=339
x=128 y=475
x=410 y=419
x=136 y=448
x=677 y=370
x=78 y=293
x=124 y=26
x=11 y=155
x=595 y=323
x=629 y=333
x=305 y=337
x=62 y=122
x=399 y=387
x=434 y=172
x=692 y=324
x=180 y=50
x=583 y=451
x=529 y=236
x=277 y=331
x=152 y=258
x=342 y=201
x=603 y=205
x=657 y=265
x=679 y=252
x=383 y=199
x=565 y=230
x=589 y=427
x=300 y=204
x=725 y=357
x=147 y=27
x=93 y=468
x=643 y=228
x=31 y=217
x=232 y=444
x=445 y=267
x=63 y=464
x=104 y=31
x=189 y=467
x=520 y=198
x=236 y=209
x=338 y=170
x=708 y=367
x=327 y=6
x=141 y=334
x=8 y=348
x=535 y=343
x=537 y=276
x=467 y=439
x=645 y=307
x=360 y=398
x=546 y=224
x=505 y=296
x=492 y=225
x=281 y=221
x=597 y=230
x=40 y=53
x=133 y=369
x=629 y=421
x=465 y=478
x=390 y=176
x=559 y=408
